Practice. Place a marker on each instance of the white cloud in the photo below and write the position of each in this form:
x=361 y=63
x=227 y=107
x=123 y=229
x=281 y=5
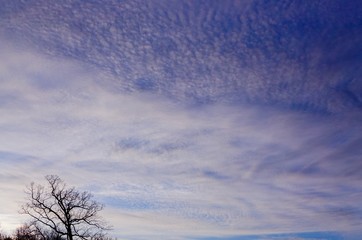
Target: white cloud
x=167 y=168
x=239 y=51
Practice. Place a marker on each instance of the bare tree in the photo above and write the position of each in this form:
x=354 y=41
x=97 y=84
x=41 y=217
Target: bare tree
x=63 y=210
x=33 y=231
x=3 y=236
x=26 y=232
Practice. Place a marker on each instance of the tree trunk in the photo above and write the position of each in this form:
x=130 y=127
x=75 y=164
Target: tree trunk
x=69 y=233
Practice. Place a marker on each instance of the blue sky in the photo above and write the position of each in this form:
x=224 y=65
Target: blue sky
x=188 y=119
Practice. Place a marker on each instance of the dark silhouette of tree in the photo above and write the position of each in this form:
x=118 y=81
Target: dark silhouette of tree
x=26 y=232
x=3 y=236
x=64 y=211
x=33 y=231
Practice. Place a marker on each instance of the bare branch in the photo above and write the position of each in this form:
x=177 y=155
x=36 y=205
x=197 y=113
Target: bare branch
x=64 y=210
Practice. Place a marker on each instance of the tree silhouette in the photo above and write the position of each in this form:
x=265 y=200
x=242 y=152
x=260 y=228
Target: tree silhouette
x=33 y=231
x=25 y=232
x=63 y=210
x=3 y=236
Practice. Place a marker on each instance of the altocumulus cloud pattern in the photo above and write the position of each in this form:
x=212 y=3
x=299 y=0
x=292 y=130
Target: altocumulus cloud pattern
x=188 y=119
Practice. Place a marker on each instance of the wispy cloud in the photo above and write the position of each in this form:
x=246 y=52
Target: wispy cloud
x=175 y=169
x=204 y=52
x=199 y=119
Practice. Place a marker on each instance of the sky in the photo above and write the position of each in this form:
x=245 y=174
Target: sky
x=189 y=120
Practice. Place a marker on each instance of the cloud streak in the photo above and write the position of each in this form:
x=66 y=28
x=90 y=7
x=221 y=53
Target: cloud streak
x=166 y=167
x=197 y=120
x=207 y=52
